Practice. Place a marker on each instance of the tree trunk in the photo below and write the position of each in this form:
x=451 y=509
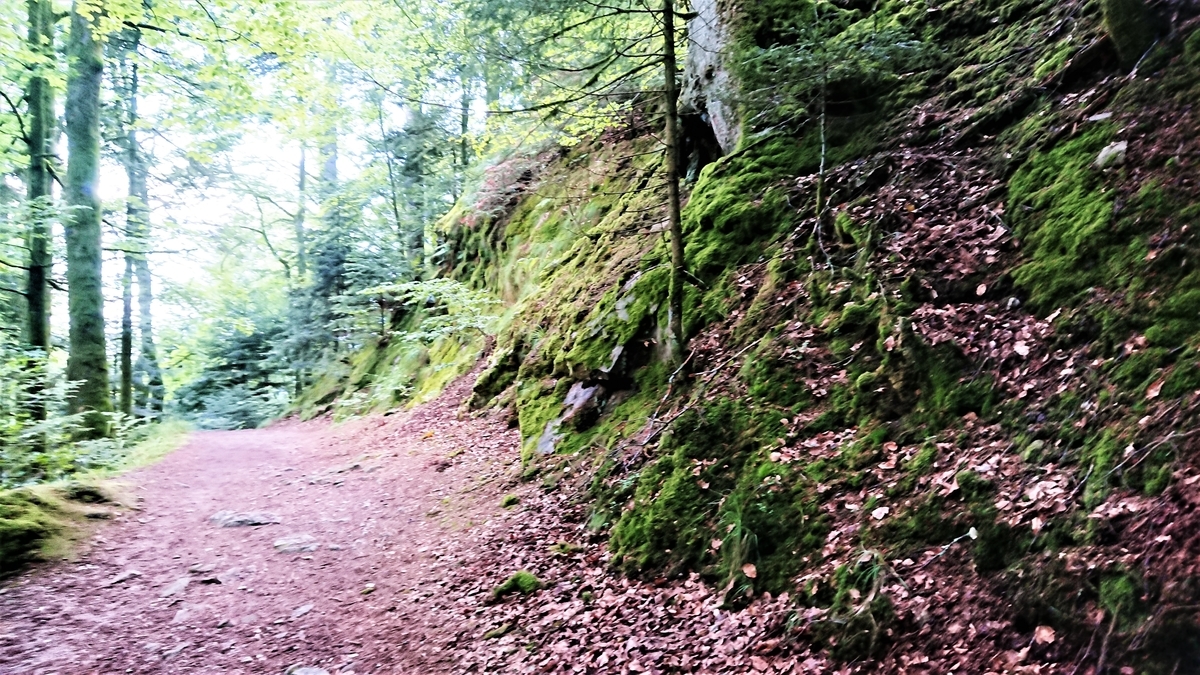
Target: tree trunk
x=40 y=97
x=674 y=217
x=298 y=222
x=127 y=336
x=87 y=362
x=146 y=375
x=464 y=118
x=152 y=392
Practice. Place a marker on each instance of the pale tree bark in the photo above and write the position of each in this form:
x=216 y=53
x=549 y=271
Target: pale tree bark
x=674 y=208
x=87 y=362
x=298 y=222
x=144 y=374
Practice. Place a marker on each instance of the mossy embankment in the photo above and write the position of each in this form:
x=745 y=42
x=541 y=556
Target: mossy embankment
x=977 y=363
x=45 y=521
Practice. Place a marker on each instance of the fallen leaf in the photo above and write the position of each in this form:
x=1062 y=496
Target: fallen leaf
x=1043 y=635
x=760 y=664
x=880 y=513
x=981 y=289
x=1037 y=524
x=750 y=571
x=1021 y=348
x=1153 y=390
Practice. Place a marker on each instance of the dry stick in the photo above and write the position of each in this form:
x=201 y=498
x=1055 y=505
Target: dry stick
x=1104 y=645
x=1083 y=482
x=1145 y=452
x=1086 y=652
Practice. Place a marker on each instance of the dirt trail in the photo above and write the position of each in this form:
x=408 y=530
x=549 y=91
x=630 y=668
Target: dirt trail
x=367 y=498
x=409 y=536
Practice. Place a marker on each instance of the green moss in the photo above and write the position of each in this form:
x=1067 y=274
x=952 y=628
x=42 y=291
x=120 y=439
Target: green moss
x=27 y=523
x=922 y=462
x=1100 y=454
x=739 y=202
x=1063 y=212
x=522 y=582
x=1184 y=378
x=974 y=487
x=1191 y=48
x=765 y=516
x=1120 y=595
x=1129 y=24
x=509 y=500
x=1179 y=317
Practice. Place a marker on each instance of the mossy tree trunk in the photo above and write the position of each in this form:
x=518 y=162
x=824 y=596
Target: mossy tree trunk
x=1131 y=27
x=126 y=388
x=674 y=208
x=87 y=361
x=40 y=101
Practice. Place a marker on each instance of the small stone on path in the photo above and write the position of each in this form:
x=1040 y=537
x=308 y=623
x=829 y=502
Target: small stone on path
x=248 y=519
x=302 y=610
x=123 y=576
x=175 y=588
x=305 y=670
x=297 y=543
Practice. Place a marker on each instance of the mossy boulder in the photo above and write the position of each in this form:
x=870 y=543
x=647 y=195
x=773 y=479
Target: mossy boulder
x=1130 y=26
x=26 y=524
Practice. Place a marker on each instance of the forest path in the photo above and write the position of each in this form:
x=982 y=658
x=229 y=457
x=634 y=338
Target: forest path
x=364 y=512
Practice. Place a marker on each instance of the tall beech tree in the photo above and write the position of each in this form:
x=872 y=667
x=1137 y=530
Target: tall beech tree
x=40 y=101
x=87 y=361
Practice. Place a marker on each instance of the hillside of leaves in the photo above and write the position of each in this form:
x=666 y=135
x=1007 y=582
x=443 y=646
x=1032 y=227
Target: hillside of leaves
x=942 y=369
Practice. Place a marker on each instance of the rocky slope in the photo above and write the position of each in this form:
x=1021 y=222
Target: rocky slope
x=942 y=372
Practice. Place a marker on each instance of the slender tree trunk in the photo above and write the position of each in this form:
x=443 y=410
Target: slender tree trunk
x=822 y=95
x=391 y=171
x=153 y=389
x=126 y=403
x=298 y=221
x=464 y=118
x=146 y=374
x=87 y=362
x=40 y=97
x=674 y=217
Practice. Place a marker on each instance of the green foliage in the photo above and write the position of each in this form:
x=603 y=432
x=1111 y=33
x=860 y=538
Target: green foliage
x=450 y=308
x=242 y=385
x=818 y=57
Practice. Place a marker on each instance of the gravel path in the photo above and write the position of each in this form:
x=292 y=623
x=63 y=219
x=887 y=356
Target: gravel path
x=332 y=584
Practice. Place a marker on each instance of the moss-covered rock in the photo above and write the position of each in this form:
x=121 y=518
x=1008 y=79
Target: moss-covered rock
x=26 y=523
